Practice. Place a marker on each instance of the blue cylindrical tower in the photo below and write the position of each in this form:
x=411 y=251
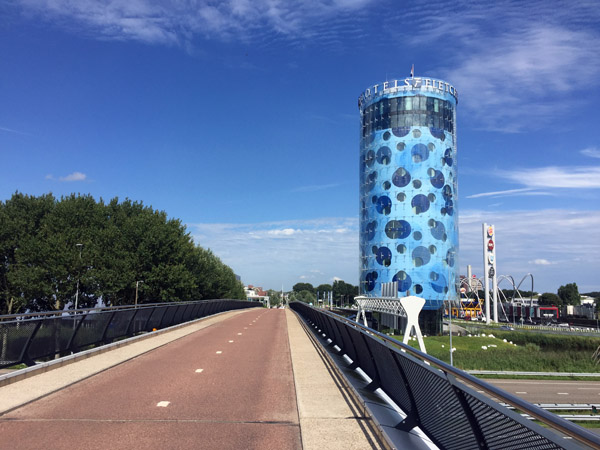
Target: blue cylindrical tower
x=408 y=189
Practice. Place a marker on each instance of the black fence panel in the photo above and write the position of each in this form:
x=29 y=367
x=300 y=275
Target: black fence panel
x=363 y=355
x=14 y=336
x=91 y=329
x=167 y=319
x=28 y=339
x=178 y=317
x=156 y=318
x=450 y=413
x=504 y=430
x=119 y=324
x=187 y=312
x=140 y=321
x=391 y=376
x=349 y=348
x=202 y=310
x=53 y=337
x=334 y=331
x=434 y=399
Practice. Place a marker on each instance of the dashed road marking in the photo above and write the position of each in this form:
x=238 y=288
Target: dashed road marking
x=230 y=342
x=239 y=334
x=520 y=392
x=219 y=352
x=163 y=404
x=562 y=393
x=199 y=370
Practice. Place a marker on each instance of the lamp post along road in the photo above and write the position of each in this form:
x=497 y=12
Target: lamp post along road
x=137 y=283
x=78 y=275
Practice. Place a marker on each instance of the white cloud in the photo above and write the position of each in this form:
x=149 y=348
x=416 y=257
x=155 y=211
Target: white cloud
x=555 y=177
x=273 y=253
x=592 y=152
x=75 y=176
x=501 y=193
x=10 y=130
x=284 y=232
x=556 y=246
x=567 y=238
x=512 y=61
x=315 y=187
x=540 y=262
x=176 y=22
x=512 y=81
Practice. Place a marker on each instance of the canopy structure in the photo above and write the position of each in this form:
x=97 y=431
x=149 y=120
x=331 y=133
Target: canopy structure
x=408 y=307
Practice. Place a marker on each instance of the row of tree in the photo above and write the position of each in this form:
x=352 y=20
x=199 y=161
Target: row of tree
x=343 y=293
x=51 y=249
x=566 y=295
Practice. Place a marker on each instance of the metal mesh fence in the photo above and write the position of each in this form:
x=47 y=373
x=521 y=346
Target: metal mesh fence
x=451 y=414
x=28 y=340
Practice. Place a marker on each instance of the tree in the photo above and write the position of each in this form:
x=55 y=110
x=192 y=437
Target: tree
x=548 y=298
x=306 y=297
x=344 y=292
x=323 y=288
x=274 y=297
x=298 y=287
x=569 y=294
x=49 y=247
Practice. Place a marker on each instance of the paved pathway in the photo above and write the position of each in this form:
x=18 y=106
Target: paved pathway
x=241 y=381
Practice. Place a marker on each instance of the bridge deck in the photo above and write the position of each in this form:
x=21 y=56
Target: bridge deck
x=247 y=379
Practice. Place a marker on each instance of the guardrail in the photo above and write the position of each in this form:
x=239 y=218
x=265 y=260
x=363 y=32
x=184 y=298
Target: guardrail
x=435 y=398
x=26 y=339
x=555 y=329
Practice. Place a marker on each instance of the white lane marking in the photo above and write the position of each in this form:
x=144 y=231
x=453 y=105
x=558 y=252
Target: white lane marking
x=239 y=334
x=245 y=328
x=537 y=382
x=219 y=352
x=562 y=393
x=481 y=392
x=163 y=404
x=199 y=370
x=520 y=392
x=230 y=342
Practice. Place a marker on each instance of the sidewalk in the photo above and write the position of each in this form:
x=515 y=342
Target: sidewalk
x=328 y=417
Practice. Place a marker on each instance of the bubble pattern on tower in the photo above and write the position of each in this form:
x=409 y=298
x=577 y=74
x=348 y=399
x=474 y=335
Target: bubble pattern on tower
x=408 y=194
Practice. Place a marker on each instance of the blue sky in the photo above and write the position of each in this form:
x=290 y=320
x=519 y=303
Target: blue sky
x=240 y=118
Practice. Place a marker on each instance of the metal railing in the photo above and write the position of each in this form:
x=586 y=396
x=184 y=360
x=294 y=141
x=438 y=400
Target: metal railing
x=31 y=337
x=435 y=398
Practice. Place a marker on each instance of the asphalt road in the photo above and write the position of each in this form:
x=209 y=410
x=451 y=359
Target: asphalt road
x=552 y=391
x=228 y=386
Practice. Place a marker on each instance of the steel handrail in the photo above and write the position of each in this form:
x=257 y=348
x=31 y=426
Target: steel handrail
x=558 y=423
x=58 y=313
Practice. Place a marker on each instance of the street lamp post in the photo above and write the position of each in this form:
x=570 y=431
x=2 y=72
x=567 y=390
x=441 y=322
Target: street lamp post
x=137 y=283
x=78 y=275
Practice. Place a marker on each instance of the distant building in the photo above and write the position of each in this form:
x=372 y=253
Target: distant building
x=408 y=189
x=256 y=293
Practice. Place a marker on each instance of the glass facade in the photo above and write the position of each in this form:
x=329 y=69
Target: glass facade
x=408 y=190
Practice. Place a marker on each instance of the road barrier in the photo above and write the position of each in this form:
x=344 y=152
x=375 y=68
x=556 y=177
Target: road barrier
x=434 y=397
x=27 y=338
